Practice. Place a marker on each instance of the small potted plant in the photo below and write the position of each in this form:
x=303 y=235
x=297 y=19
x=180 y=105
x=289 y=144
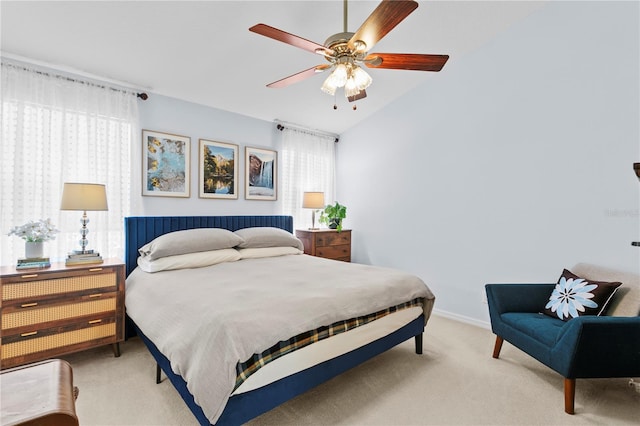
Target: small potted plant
x=332 y=216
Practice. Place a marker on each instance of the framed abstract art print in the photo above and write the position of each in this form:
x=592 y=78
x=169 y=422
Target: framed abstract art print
x=165 y=164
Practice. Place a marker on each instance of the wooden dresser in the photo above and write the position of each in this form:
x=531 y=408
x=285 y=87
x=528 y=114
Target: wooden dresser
x=327 y=243
x=50 y=312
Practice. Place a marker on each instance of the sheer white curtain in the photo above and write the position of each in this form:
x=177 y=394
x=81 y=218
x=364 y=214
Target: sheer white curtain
x=308 y=164
x=57 y=130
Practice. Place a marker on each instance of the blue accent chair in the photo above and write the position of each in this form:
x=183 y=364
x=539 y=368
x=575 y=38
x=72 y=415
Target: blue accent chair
x=584 y=347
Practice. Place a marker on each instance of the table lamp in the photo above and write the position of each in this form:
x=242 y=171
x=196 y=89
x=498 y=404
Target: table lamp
x=84 y=197
x=314 y=201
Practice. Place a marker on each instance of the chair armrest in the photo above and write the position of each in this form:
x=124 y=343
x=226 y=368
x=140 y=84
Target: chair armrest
x=599 y=346
x=503 y=298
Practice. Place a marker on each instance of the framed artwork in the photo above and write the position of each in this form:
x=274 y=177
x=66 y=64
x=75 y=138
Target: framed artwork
x=165 y=164
x=260 y=182
x=218 y=177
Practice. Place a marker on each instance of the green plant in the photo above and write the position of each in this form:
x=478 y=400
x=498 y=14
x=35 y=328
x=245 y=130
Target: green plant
x=332 y=216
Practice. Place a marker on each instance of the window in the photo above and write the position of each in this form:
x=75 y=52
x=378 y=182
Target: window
x=308 y=164
x=55 y=130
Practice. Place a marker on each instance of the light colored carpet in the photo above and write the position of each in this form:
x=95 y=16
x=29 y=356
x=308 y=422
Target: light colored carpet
x=455 y=382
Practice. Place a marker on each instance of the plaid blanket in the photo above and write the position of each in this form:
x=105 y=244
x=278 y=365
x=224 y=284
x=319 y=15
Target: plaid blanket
x=245 y=369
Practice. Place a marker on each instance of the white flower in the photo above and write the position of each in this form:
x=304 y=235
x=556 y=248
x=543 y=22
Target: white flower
x=35 y=231
x=570 y=296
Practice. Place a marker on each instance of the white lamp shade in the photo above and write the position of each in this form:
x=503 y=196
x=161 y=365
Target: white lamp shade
x=313 y=200
x=84 y=196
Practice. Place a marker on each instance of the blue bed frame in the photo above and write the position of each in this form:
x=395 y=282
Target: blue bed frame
x=243 y=407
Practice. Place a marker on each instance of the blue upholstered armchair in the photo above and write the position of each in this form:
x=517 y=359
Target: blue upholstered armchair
x=583 y=347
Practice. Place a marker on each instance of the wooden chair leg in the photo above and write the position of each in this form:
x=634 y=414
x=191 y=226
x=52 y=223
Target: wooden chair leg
x=569 y=395
x=497 y=347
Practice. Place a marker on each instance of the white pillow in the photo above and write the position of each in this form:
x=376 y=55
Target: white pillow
x=255 y=253
x=189 y=241
x=188 y=260
x=260 y=237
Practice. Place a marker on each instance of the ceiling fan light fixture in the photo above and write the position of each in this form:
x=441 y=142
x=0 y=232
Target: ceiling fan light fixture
x=339 y=75
x=351 y=87
x=328 y=87
x=361 y=77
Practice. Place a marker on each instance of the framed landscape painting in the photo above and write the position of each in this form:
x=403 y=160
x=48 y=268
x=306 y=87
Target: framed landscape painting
x=218 y=177
x=260 y=174
x=165 y=164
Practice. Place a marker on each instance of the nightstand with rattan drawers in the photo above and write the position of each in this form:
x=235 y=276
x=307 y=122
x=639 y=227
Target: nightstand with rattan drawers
x=50 y=312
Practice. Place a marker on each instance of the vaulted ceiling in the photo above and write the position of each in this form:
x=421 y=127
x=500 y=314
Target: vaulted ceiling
x=203 y=52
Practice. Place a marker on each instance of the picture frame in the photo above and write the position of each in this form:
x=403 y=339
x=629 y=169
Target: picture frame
x=261 y=174
x=166 y=167
x=218 y=170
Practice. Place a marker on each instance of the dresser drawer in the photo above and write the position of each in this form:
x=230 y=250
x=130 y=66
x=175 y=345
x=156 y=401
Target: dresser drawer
x=333 y=239
x=62 y=339
x=39 y=285
x=35 y=312
x=341 y=252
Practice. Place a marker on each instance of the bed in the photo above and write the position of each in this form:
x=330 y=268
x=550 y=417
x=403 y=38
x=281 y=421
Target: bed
x=336 y=332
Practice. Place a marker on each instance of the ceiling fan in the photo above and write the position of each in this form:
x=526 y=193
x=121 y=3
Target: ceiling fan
x=347 y=51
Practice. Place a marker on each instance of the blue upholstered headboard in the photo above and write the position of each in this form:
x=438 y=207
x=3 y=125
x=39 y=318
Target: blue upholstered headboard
x=139 y=230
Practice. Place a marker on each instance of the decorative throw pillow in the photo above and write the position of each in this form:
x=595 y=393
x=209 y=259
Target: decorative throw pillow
x=574 y=296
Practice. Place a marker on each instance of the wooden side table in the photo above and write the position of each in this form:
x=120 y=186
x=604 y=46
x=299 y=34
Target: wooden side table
x=40 y=394
x=327 y=243
x=59 y=310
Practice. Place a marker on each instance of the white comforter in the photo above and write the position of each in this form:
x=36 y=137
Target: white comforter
x=206 y=320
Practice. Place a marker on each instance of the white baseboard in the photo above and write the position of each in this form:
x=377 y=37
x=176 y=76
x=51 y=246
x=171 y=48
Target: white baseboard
x=462 y=318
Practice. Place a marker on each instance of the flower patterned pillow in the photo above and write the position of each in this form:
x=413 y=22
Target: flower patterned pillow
x=574 y=296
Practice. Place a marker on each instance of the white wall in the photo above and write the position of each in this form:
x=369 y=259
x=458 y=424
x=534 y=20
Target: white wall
x=510 y=164
x=170 y=115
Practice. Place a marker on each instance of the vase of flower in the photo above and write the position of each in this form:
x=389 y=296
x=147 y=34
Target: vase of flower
x=35 y=233
x=33 y=249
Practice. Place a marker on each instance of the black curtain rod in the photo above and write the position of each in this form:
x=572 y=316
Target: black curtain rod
x=282 y=127
x=140 y=95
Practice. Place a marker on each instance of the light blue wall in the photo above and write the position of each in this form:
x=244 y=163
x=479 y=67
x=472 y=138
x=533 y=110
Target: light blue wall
x=170 y=115
x=509 y=165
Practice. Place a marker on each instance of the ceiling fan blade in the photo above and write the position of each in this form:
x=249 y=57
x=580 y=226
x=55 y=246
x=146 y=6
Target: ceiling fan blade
x=406 y=61
x=288 y=38
x=302 y=75
x=383 y=19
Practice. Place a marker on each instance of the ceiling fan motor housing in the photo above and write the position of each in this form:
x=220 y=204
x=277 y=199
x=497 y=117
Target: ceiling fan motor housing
x=339 y=38
x=339 y=45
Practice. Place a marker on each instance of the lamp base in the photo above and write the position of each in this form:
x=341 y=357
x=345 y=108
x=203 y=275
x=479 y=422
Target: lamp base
x=82 y=251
